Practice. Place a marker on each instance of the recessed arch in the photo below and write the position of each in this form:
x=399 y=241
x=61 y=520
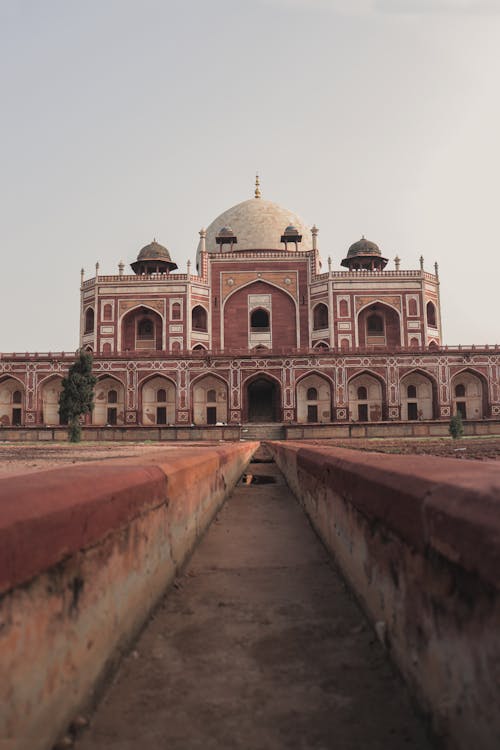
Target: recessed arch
x=321 y=346
x=50 y=391
x=260 y=320
x=130 y=340
x=12 y=407
x=373 y=407
x=314 y=398
x=157 y=398
x=267 y=282
x=207 y=410
x=199 y=318
x=418 y=395
x=430 y=311
x=89 y=320
x=320 y=316
x=261 y=398
x=277 y=301
x=109 y=401
x=379 y=326
x=474 y=404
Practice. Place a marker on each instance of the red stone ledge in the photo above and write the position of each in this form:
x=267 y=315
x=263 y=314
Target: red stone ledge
x=47 y=516
x=432 y=503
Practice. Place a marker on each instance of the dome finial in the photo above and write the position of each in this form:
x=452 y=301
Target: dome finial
x=257 y=186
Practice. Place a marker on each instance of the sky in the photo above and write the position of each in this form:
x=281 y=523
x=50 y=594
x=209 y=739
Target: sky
x=124 y=120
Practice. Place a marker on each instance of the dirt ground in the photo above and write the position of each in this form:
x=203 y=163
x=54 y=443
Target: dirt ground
x=479 y=449
x=23 y=458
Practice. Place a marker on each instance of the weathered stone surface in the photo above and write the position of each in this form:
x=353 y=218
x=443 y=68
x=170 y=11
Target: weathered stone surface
x=418 y=539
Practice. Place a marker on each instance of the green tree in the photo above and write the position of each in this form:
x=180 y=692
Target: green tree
x=456 y=428
x=77 y=395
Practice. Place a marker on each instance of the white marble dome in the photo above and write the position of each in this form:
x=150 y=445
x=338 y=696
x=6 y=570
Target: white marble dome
x=258 y=225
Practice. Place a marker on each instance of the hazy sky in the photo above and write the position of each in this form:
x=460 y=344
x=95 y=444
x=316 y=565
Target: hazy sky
x=127 y=119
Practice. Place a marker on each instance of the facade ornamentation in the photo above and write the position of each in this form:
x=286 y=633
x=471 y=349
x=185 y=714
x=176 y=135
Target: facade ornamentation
x=260 y=334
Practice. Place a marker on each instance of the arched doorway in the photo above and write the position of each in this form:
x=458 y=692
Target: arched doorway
x=263 y=400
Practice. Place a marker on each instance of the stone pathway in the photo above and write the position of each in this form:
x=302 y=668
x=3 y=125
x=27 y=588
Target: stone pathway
x=259 y=647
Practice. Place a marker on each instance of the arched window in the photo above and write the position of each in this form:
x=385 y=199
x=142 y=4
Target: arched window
x=211 y=396
x=344 y=345
x=431 y=315
x=343 y=308
x=112 y=397
x=375 y=324
x=320 y=317
x=199 y=348
x=460 y=390
x=106 y=348
x=199 y=318
x=412 y=307
x=312 y=394
x=414 y=343
x=161 y=395
x=89 y=320
x=176 y=347
x=17 y=397
x=362 y=393
x=176 y=311
x=145 y=329
x=412 y=391
x=259 y=320
x=107 y=312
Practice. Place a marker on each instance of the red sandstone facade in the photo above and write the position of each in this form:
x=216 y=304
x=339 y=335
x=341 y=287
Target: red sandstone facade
x=260 y=334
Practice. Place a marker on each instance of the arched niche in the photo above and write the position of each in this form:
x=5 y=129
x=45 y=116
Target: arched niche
x=109 y=402
x=206 y=408
x=314 y=396
x=12 y=402
x=142 y=329
x=370 y=407
x=379 y=327
x=158 y=401
x=50 y=391
x=262 y=399
x=418 y=396
x=469 y=395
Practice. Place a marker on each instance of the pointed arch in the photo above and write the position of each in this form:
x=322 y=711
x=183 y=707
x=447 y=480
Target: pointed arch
x=89 y=320
x=12 y=407
x=50 y=391
x=373 y=408
x=109 y=400
x=475 y=403
x=157 y=399
x=130 y=339
x=207 y=410
x=379 y=325
x=424 y=403
x=314 y=397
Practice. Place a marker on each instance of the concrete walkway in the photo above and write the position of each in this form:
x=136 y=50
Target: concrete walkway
x=259 y=647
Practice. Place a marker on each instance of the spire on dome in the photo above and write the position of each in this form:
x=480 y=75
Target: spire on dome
x=257 y=186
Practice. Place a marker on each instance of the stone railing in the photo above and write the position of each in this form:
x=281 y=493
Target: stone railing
x=276 y=351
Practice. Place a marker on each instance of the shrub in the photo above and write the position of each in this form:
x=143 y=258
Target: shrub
x=456 y=428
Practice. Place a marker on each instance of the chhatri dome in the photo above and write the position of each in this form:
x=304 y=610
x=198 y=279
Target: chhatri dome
x=257 y=224
x=153 y=258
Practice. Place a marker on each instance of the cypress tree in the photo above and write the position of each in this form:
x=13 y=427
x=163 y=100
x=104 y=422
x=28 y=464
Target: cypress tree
x=77 y=395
